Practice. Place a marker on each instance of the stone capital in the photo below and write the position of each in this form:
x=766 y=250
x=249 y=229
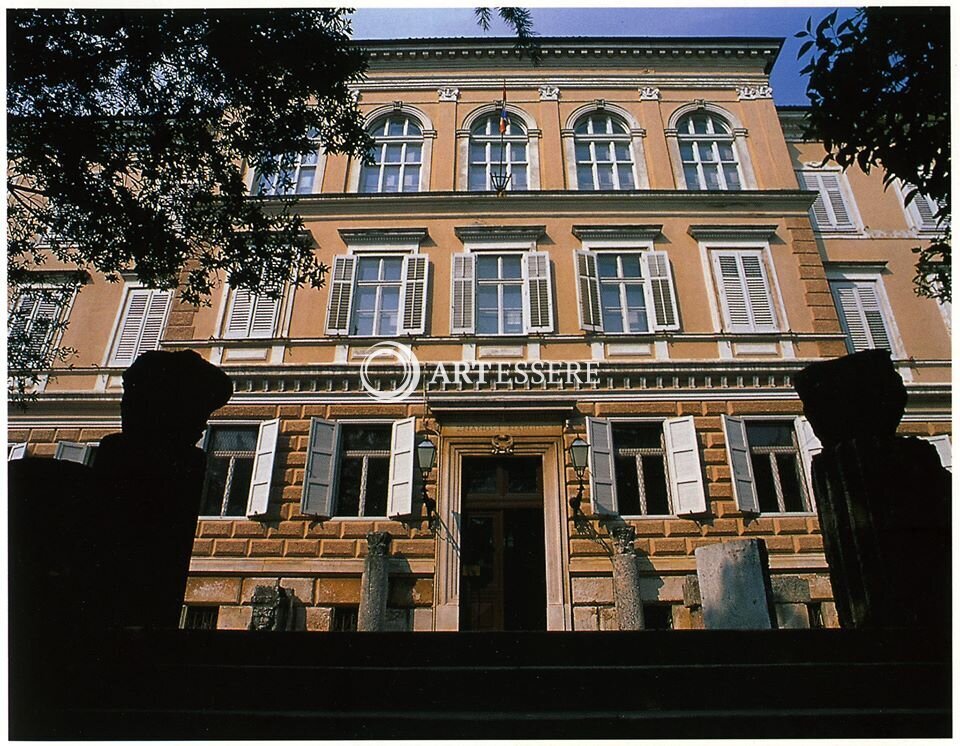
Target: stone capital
x=378 y=542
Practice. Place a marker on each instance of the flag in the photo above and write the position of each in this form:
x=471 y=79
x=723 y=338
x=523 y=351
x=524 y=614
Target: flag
x=504 y=116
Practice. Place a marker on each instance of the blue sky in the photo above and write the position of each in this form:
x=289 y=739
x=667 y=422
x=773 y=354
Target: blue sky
x=788 y=86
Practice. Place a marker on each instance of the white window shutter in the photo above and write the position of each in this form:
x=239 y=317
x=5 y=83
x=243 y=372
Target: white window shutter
x=662 y=295
x=240 y=315
x=588 y=291
x=733 y=295
x=45 y=314
x=67 y=451
x=259 y=500
x=926 y=212
x=413 y=296
x=263 y=322
x=821 y=215
x=758 y=293
x=741 y=468
x=603 y=477
x=402 y=455
x=140 y=326
x=831 y=187
x=537 y=292
x=154 y=321
x=462 y=316
x=684 y=470
x=340 y=301
x=944 y=450
x=861 y=315
x=810 y=446
x=17 y=451
x=319 y=479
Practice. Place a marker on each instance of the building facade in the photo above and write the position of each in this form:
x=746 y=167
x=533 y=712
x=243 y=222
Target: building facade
x=667 y=254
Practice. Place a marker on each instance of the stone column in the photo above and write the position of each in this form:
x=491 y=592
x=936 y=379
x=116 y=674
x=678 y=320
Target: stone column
x=626 y=579
x=374 y=584
x=735 y=585
x=883 y=500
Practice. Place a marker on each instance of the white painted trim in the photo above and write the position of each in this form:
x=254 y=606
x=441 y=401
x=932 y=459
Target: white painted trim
x=852 y=273
x=737 y=130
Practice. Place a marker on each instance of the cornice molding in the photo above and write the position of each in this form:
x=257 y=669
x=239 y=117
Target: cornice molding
x=732 y=232
x=500 y=232
x=642 y=79
x=627 y=232
x=352 y=236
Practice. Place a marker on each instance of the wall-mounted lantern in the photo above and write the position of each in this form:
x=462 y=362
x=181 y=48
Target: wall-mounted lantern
x=426 y=458
x=579 y=456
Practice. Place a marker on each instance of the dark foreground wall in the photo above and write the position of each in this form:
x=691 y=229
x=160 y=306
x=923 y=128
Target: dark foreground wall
x=269 y=685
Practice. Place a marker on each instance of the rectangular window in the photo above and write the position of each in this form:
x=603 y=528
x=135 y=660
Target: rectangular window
x=860 y=307
x=141 y=325
x=501 y=294
x=199 y=617
x=628 y=292
x=746 y=295
x=378 y=296
x=641 y=469
x=344 y=619
x=34 y=320
x=251 y=316
x=657 y=616
x=364 y=470
x=645 y=468
x=230 y=455
x=921 y=211
x=831 y=211
x=770 y=464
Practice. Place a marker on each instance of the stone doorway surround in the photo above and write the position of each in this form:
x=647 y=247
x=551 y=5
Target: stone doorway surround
x=541 y=441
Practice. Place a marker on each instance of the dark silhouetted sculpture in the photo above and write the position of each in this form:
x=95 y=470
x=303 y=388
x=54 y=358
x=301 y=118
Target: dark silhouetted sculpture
x=883 y=500
x=109 y=547
x=272 y=608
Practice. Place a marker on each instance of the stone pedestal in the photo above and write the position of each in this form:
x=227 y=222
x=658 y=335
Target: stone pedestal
x=883 y=500
x=734 y=583
x=626 y=579
x=374 y=585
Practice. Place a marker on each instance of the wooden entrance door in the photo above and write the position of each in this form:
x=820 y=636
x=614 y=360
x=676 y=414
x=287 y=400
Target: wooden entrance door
x=502 y=567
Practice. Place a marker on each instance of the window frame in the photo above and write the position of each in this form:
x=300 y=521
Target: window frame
x=500 y=284
x=255 y=178
x=846 y=197
x=638 y=456
x=912 y=213
x=338 y=470
x=714 y=139
x=803 y=453
x=867 y=274
x=717 y=299
x=611 y=140
x=259 y=425
x=490 y=141
x=131 y=286
x=381 y=144
x=379 y=286
x=57 y=325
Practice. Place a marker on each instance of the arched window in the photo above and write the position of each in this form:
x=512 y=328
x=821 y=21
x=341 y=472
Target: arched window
x=485 y=155
x=295 y=174
x=707 y=152
x=604 y=155
x=397 y=156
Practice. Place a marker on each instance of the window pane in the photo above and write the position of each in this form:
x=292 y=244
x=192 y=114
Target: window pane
x=699 y=124
x=487 y=267
x=607 y=265
x=636 y=309
x=411 y=179
x=215 y=484
x=520 y=476
x=478 y=153
x=626 y=176
x=605 y=177
x=581 y=127
x=391 y=178
x=510 y=267
x=518 y=178
x=412 y=154
x=374 y=437
x=766 y=434
x=240 y=486
x=732 y=177
x=726 y=151
x=686 y=151
x=378 y=477
x=512 y=309
x=706 y=153
x=628 y=490
x=478 y=476
x=310 y=158
x=478 y=178
x=517 y=152
x=610 y=302
x=305 y=182
x=766 y=492
x=583 y=152
x=585 y=178
x=692 y=177
x=393 y=153
x=413 y=129
x=637 y=435
x=363 y=314
x=622 y=151
x=395 y=126
x=655 y=486
x=631 y=265
x=348 y=498
x=488 y=314
x=392 y=268
x=712 y=178
x=390 y=302
x=369 y=178
x=233 y=439
x=603 y=152
x=368 y=269
x=788 y=466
